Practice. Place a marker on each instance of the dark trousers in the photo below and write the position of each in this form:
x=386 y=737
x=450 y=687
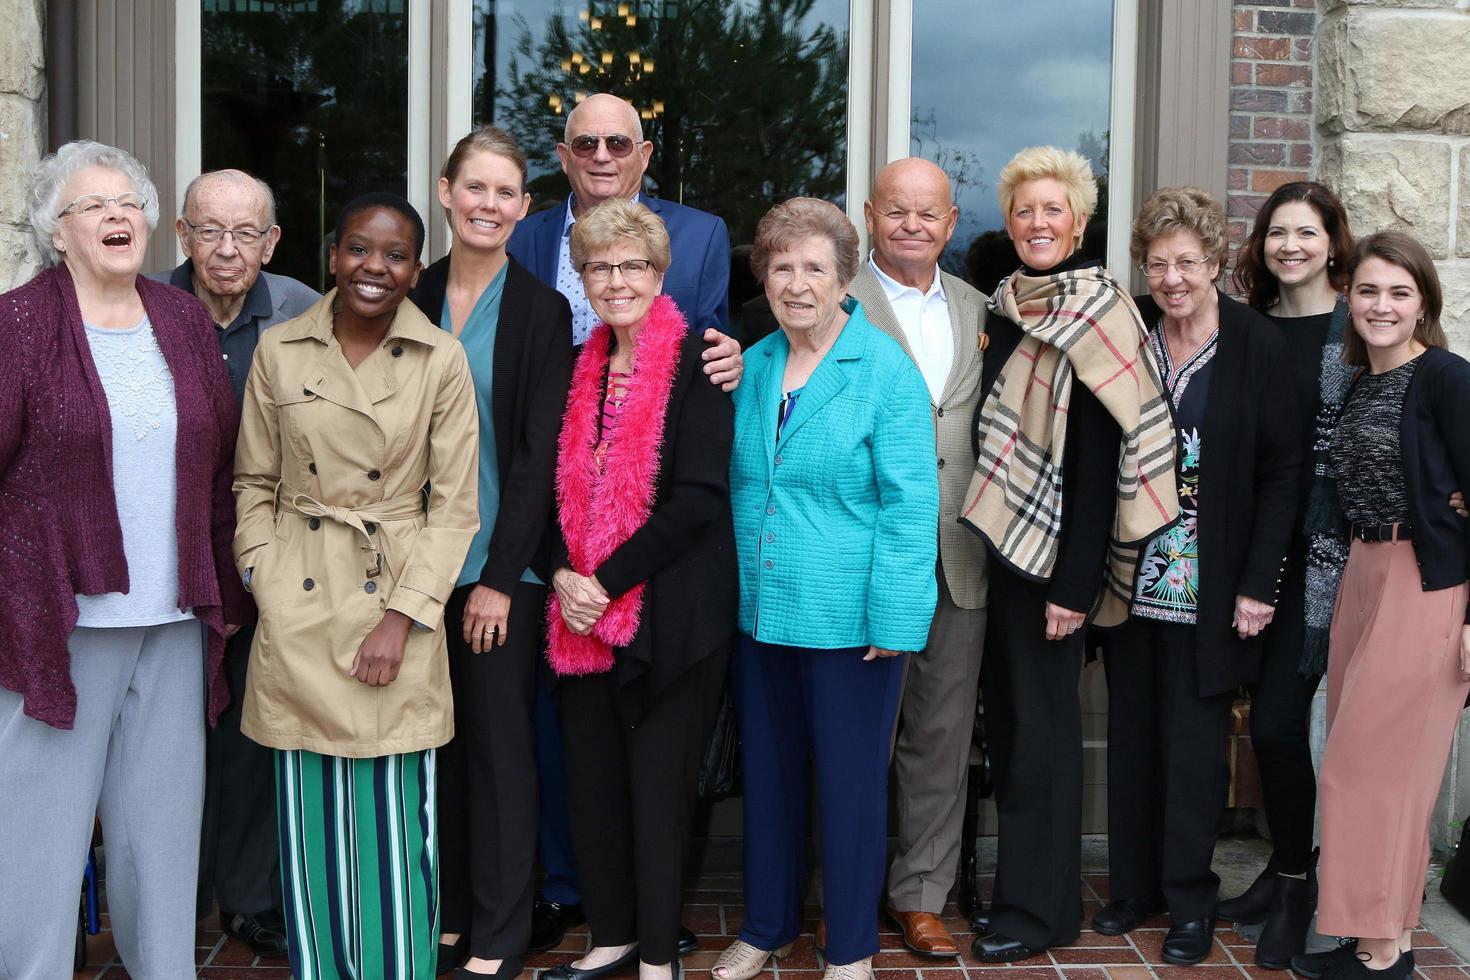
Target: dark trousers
x=1168 y=771
x=1033 y=719
x=798 y=707
x=239 y=862
x=632 y=786
x=554 y=830
x=487 y=781
x=1281 y=708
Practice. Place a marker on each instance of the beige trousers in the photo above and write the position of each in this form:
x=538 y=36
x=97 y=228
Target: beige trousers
x=1394 y=695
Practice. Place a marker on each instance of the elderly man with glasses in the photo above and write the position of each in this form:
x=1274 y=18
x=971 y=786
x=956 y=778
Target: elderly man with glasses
x=228 y=231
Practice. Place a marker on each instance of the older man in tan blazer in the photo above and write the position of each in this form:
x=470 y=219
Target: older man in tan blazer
x=936 y=317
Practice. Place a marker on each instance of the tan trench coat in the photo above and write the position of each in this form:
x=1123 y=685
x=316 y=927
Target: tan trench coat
x=330 y=475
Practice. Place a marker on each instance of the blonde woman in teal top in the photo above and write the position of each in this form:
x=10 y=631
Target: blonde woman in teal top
x=835 y=493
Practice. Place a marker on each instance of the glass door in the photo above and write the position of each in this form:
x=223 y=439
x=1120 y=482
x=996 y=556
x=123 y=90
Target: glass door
x=313 y=97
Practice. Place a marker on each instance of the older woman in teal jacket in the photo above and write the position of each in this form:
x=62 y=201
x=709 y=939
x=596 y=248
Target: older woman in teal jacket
x=835 y=494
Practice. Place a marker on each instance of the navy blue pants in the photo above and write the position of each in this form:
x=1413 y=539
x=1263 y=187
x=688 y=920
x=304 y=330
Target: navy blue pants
x=798 y=707
x=554 y=834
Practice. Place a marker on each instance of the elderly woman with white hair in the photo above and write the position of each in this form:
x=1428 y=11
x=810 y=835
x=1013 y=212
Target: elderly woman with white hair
x=117 y=435
x=1075 y=470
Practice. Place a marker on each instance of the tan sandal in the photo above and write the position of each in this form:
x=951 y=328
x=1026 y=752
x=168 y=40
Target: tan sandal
x=857 y=970
x=741 y=960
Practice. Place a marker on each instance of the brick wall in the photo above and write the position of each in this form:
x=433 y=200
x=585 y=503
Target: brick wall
x=1270 y=103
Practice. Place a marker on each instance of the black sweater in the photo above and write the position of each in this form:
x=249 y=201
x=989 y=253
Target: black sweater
x=1436 y=460
x=1250 y=457
x=533 y=370
x=1089 y=470
x=685 y=552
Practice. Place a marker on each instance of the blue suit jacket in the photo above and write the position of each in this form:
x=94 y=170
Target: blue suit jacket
x=698 y=279
x=834 y=521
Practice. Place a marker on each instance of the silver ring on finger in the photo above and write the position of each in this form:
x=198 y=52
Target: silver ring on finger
x=1072 y=628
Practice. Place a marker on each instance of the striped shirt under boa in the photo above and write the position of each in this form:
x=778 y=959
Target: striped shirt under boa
x=1081 y=324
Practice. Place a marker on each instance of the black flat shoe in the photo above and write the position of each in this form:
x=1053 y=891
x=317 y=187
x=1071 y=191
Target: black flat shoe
x=1356 y=967
x=1251 y=906
x=688 y=943
x=1311 y=966
x=263 y=932
x=452 y=955
x=1122 y=916
x=998 y=948
x=510 y=968
x=1188 y=943
x=566 y=971
x=549 y=922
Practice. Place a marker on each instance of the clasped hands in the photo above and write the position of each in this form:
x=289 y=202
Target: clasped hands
x=583 y=600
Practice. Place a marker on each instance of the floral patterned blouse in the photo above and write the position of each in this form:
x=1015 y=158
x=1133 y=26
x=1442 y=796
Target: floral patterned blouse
x=1168 y=571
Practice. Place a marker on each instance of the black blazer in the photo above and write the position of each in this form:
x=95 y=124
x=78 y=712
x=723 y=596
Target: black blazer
x=1436 y=459
x=1250 y=461
x=533 y=370
x=686 y=550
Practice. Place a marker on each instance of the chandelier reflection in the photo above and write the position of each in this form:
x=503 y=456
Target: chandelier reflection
x=611 y=31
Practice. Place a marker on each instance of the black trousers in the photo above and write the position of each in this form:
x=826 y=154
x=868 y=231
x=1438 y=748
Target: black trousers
x=487 y=781
x=632 y=791
x=1168 y=771
x=1033 y=719
x=1281 y=708
x=239 y=864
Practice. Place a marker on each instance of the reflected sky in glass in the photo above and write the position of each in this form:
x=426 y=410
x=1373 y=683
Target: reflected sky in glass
x=993 y=76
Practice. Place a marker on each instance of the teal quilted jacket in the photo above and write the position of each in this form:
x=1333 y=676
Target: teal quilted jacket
x=835 y=522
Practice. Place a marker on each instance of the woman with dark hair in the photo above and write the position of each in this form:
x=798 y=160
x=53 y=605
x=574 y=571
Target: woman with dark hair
x=517 y=334
x=1293 y=268
x=356 y=500
x=1399 y=661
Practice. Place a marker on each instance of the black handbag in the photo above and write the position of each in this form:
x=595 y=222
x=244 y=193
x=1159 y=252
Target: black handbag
x=1455 y=885
x=719 y=774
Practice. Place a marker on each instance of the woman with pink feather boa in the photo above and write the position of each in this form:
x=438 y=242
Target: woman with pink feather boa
x=645 y=591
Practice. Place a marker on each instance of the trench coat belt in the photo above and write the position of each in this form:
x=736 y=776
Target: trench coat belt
x=401 y=508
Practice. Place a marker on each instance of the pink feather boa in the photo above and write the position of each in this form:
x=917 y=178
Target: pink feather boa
x=600 y=511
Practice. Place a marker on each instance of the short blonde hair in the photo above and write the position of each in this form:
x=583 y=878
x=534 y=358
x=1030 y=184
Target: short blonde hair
x=619 y=219
x=1172 y=209
x=800 y=218
x=1067 y=167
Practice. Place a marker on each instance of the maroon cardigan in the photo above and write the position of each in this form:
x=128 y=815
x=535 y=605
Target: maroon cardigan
x=59 y=530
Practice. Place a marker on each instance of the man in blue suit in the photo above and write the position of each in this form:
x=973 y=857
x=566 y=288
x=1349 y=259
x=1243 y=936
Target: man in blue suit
x=604 y=155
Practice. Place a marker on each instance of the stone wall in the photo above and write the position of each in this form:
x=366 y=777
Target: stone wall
x=1271 y=81
x=22 y=131
x=1393 y=119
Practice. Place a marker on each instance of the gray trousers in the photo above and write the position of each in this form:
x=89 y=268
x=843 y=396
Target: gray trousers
x=136 y=758
x=931 y=759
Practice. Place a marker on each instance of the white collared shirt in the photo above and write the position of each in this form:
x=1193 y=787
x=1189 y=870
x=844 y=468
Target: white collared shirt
x=569 y=280
x=924 y=319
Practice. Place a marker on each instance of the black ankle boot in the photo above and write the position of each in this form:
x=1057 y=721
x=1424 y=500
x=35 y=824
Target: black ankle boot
x=1254 y=903
x=1293 y=904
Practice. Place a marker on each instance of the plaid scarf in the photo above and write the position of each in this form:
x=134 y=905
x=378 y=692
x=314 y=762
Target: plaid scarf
x=1080 y=324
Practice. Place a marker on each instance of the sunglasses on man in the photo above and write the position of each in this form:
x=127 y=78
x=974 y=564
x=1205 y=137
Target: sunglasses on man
x=618 y=146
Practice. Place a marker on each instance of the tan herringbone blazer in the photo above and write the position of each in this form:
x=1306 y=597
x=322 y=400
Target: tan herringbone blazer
x=960 y=551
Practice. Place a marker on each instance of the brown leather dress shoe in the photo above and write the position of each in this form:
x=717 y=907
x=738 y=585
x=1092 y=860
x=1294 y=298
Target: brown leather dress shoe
x=924 y=934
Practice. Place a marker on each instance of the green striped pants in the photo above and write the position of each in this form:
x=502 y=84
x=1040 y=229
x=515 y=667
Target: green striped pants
x=359 y=865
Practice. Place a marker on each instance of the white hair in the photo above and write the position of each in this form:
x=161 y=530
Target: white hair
x=50 y=177
x=238 y=177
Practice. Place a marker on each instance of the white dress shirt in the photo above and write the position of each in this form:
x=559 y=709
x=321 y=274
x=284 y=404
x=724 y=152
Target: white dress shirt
x=924 y=318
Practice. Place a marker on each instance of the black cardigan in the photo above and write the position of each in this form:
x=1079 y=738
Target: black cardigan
x=1436 y=460
x=533 y=370
x=1250 y=460
x=685 y=552
x=1089 y=470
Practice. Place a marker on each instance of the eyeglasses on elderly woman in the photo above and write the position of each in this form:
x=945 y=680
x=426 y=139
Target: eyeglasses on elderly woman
x=90 y=204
